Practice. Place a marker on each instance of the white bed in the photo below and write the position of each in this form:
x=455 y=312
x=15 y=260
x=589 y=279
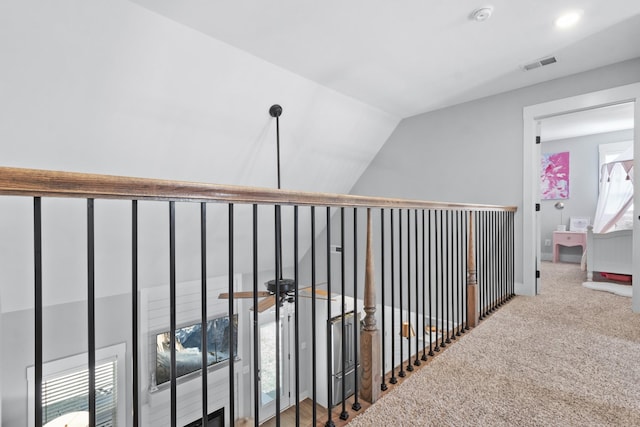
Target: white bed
x=609 y=252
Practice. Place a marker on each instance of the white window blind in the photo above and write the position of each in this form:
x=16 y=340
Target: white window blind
x=70 y=393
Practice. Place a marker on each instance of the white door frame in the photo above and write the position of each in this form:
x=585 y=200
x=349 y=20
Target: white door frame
x=531 y=115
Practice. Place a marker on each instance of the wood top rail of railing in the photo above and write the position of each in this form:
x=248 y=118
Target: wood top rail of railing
x=44 y=183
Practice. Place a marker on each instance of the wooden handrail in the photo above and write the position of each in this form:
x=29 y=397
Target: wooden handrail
x=44 y=183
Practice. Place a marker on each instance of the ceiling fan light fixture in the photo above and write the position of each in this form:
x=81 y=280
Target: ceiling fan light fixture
x=568 y=20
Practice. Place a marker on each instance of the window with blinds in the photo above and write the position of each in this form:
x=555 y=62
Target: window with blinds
x=69 y=392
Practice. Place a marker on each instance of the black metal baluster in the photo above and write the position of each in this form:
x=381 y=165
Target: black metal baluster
x=203 y=311
x=513 y=254
x=232 y=376
x=172 y=309
x=37 y=308
x=383 y=386
x=455 y=274
x=278 y=275
x=501 y=260
x=402 y=373
x=424 y=294
x=314 y=348
x=91 y=309
x=494 y=261
x=134 y=313
x=393 y=379
x=256 y=327
x=416 y=263
x=409 y=366
x=343 y=343
x=448 y=273
x=429 y=222
x=437 y=220
x=296 y=317
x=459 y=276
x=482 y=255
x=465 y=245
x=356 y=324
x=443 y=278
x=329 y=422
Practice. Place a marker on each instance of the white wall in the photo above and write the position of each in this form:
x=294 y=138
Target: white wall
x=113 y=88
x=473 y=152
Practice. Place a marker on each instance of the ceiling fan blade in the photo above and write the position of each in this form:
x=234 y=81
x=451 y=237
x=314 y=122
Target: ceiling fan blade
x=266 y=303
x=322 y=292
x=248 y=294
x=317 y=297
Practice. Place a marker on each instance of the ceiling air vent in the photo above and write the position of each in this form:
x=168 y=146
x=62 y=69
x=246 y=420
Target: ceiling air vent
x=540 y=63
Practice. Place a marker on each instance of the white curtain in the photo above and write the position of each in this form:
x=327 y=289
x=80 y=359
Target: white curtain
x=615 y=202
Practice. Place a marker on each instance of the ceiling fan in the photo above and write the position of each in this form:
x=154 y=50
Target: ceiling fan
x=281 y=289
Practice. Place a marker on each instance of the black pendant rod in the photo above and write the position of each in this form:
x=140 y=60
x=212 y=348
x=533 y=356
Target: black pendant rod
x=276 y=111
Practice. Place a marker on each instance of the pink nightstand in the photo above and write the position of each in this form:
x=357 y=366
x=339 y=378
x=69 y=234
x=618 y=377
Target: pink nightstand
x=568 y=238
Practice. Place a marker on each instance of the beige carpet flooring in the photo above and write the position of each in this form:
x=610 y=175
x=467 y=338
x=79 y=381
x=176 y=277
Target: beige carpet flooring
x=568 y=357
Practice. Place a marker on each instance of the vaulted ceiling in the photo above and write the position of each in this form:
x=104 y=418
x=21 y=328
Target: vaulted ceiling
x=410 y=57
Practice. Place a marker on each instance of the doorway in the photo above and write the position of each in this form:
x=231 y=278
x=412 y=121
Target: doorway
x=271 y=339
x=531 y=155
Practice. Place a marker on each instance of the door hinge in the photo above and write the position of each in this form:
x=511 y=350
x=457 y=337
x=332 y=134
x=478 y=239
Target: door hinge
x=537 y=207
x=537 y=274
x=538 y=140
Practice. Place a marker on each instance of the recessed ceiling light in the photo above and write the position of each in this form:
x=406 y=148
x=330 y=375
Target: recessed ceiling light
x=568 y=20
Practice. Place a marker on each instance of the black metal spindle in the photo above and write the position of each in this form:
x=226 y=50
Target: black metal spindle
x=172 y=310
x=465 y=245
x=91 y=310
x=134 y=313
x=443 y=278
x=455 y=273
x=447 y=281
x=383 y=386
x=356 y=325
x=424 y=294
x=203 y=311
x=409 y=366
x=296 y=318
x=256 y=341
x=37 y=308
x=329 y=422
x=314 y=347
x=429 y=222
x=417 y=281
x=343 y=342
x=513 y=254
x=278 y=275
x=232 y=375
x=393 y=379
x=438 y=253
x=460 y=261
x=402 y=373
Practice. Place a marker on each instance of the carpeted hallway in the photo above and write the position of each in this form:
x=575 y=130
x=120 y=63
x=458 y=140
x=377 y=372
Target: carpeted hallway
x=568 y=357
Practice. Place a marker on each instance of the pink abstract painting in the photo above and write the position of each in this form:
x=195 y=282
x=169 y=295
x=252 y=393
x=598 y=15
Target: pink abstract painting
x=554 y=176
